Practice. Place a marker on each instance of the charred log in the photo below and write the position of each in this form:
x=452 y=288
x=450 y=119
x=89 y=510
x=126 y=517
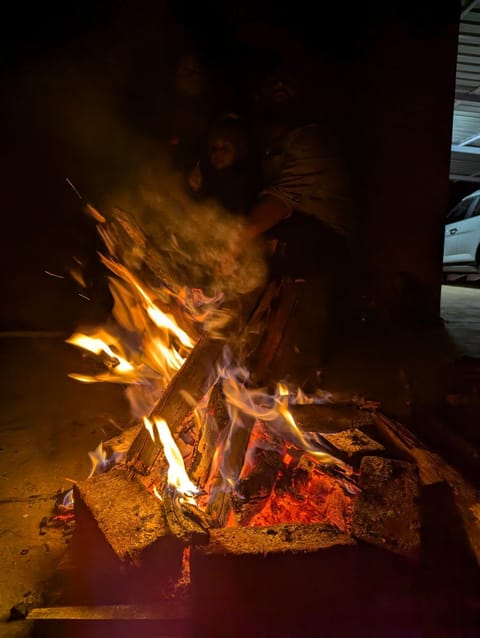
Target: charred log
x=217 y=419
x=185 y=521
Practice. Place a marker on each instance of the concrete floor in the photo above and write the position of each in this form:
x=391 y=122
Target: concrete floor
x=460 y=310
x=49 y=423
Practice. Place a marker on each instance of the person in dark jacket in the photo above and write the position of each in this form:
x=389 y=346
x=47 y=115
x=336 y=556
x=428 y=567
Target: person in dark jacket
x=305 y=210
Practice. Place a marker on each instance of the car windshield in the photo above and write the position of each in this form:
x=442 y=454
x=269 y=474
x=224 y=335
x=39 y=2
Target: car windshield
x=460 y=210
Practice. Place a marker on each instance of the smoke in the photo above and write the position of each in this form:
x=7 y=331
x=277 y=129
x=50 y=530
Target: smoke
x=199 y=244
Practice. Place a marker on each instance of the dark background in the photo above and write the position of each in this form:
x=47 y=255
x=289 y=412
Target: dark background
x=78 y=80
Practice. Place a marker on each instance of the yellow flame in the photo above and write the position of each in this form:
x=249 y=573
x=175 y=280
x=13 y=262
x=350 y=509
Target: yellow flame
x=320 y=456
x=177 y=475
x=163 y=320
x=149 y=427
x=159 y=318
x=282 y=390
x=157 y=493
x=98 y=346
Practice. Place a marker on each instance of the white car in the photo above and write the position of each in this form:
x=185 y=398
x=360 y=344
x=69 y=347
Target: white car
x=461 y=248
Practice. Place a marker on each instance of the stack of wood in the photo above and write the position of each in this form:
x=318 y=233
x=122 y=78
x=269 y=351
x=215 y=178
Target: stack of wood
x=388 y=468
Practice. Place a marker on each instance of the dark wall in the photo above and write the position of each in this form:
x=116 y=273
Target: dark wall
x=75 y=84
x=402 y=106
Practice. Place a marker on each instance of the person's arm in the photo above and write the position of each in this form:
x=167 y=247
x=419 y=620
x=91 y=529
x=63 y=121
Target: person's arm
x=266 y=213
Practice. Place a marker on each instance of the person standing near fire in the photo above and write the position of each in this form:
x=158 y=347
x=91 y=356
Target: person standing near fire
x=304 y=211
x=228 y=173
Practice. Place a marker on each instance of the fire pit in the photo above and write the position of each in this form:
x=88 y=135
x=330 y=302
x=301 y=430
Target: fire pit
x=263 y=509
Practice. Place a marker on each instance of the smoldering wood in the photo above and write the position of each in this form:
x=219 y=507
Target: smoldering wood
x=253 y=490
x=387 y=511
x=352 y=445
x=280 y=538
x=186 y=522
x=331 y=417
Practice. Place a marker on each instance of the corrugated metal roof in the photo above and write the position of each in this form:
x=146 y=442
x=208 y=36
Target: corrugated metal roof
x=465 y=153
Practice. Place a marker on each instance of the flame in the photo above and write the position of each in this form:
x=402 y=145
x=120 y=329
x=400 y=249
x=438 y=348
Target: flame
x=177 y=474
x=100 y=460
x=157 y=493
x=157 y=357
x=97 y=345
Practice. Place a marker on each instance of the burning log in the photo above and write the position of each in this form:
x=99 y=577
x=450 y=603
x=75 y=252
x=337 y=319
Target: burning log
x=189 y=384
x=331 y=417
x=194 y=379
x=185 y=521
x=217 y=419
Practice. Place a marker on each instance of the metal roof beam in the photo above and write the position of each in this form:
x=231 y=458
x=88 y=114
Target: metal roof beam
x=473 y=150
x=469 y=140
x=471 y=5
x=466 y=97
x=464 y=178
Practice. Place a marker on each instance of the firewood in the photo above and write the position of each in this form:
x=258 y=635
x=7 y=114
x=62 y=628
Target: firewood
x=262 y=358
x=186 y=522
x=255 y=488
x=387 y=512
x=330 y=417
x=433 y=469
x=217 y=419
x=288 y=537
x=128 y=517
x=189 y=384
x=352 y=445
x=221 y=504
x=193 y=380
x=162 y=610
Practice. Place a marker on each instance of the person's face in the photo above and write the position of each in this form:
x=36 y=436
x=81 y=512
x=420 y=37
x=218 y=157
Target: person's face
x=278 y=89
x=222 y=153
x=191 y=77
